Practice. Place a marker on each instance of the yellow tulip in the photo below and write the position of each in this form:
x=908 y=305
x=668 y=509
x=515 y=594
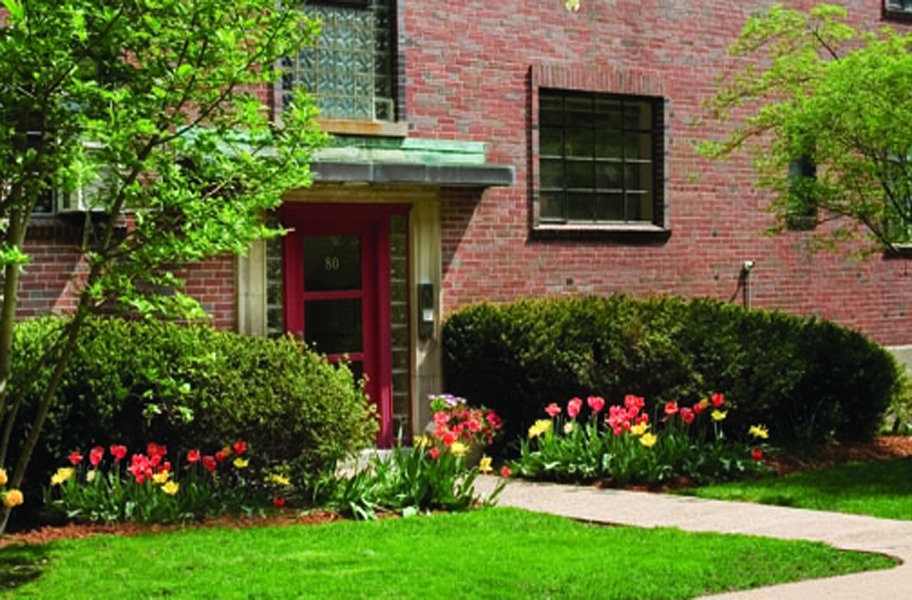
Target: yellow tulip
x=62 y=475
x=639 y=429
x=718 y=415
x=759 y=431
x=484 y=466
x=13 y=498
x=540 y=427
x=649 y=440
x=171 y=488
x=279 y=479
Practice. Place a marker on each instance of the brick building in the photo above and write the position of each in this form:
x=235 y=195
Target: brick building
x=498 y=150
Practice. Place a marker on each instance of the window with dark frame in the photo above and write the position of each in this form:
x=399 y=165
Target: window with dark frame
x=897 y=225
x=898 y=9
x=802 y=205
x=600 y=158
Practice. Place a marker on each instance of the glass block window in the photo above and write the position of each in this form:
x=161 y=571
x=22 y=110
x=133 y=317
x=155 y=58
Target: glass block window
x=275 y=287
x=350 y=69
x=600 y=158
x=400 y=324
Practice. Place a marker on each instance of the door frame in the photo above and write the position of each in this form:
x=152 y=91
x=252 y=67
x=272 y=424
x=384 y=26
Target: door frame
x=371 y=222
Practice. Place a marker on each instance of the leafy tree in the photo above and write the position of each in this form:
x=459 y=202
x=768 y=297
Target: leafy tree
x=832 y=102
x=150 y=106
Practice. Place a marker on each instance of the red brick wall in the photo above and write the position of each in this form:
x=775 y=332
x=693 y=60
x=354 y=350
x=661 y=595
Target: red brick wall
x=52 y=282
x=468 y=66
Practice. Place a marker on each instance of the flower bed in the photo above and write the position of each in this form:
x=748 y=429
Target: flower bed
x=625 y=446
x=151 y=490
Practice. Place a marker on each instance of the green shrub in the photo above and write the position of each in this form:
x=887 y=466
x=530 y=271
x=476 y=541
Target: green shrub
x=809 y=380
x=190 y=387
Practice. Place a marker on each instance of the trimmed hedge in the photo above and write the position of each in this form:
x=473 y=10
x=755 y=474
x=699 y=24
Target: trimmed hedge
x=808 y=380
x=131 y=383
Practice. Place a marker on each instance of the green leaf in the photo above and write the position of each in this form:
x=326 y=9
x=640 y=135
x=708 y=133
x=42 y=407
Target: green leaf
x=15 y=9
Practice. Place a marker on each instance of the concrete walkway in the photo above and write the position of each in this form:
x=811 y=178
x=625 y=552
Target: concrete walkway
x=641 y=509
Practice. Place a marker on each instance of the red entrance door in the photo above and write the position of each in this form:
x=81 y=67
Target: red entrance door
x=337 y=292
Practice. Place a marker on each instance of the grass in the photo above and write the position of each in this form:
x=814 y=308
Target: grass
x=497 y=553
x=880 y=489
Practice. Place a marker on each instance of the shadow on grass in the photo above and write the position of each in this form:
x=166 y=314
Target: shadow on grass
x=21 y=563
x=880 y=489
x=887 y=477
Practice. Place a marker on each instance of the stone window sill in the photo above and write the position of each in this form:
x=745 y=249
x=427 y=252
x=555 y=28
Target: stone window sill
x=367 y=128
x=629 y=233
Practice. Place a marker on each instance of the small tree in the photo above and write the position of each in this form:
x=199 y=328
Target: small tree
x=149 y=107
x=832 y=102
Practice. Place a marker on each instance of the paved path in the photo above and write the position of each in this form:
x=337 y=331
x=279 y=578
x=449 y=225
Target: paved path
x=850 y=532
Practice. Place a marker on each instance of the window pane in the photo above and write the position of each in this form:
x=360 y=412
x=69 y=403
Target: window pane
x=551 y=142
x=551 y=205
x=637 y=116
x=581 y=207
x=609 y=145
x=550 y=109
x=639 y=206
x=579 y=110
x=638 y=146
x=580 y=142
x=333 y=326
x=580 y=174
x=610 y=175
x=638 y=177
x=611 y=207
x=609 y=113
x=332 y=263
x=552 y=174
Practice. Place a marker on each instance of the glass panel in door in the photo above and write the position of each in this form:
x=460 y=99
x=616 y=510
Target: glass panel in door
x=333 y=296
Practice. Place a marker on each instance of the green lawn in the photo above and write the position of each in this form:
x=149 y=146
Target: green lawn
x=880 y=489
x=498 y=553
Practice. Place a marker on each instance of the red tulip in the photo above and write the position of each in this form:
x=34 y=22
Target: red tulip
x=96 y=455
x=118 y=452
x=75 y=457
x=596 y=403
x=553 y=410
x=193 y=456
x=240 y=447
x=573 y=407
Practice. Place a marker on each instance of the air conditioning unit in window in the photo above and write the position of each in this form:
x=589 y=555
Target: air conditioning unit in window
x=89 y=197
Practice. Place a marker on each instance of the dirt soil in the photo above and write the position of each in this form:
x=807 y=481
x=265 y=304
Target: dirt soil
x=836 y=454
x=879 y=449
x=73 y=531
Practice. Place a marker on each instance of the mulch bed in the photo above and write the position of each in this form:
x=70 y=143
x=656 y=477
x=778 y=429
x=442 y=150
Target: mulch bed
x=75 y=531
x=835 y=454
